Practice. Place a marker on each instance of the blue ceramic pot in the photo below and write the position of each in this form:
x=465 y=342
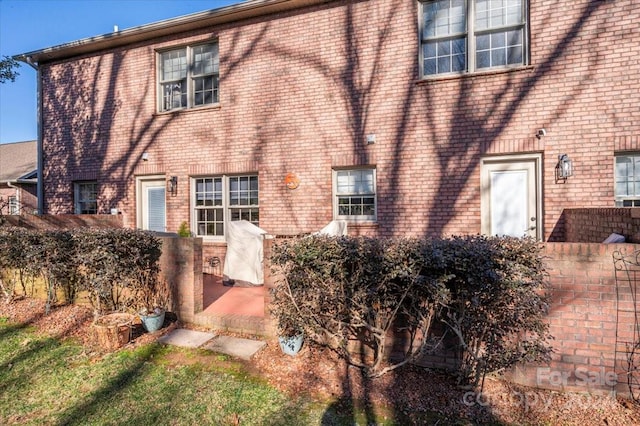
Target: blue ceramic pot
x=153 y=321
x=291 y=345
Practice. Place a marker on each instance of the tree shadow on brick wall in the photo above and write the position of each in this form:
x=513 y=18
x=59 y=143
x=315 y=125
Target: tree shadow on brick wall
x=80 y=130
x=458 y=152
x=344 y=82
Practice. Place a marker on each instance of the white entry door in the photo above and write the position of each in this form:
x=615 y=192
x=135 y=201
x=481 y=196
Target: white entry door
x=152 y=205
x=511 y=197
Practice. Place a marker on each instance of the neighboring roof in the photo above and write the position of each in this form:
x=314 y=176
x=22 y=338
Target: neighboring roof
x=194 y=21
x=18 y=161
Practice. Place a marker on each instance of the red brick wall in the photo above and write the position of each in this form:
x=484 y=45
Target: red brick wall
x=181 y=267
x=64 y=221
x=301 y=90
x=585 y=321
x=595 y=225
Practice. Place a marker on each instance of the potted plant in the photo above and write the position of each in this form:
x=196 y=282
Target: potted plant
x=152 y=320
x=184 y=230
x=291 y=345
x=289 y=327
x=151 y=301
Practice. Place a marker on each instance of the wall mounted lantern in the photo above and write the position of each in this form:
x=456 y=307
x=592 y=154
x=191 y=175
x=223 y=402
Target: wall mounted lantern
x=564 y=168
x=172 y=185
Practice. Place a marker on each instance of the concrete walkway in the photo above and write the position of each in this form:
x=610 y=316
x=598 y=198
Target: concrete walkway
x=234 y=346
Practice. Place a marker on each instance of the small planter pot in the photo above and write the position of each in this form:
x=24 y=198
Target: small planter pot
x=153 y=321
x=113 y=331
x=291 y=345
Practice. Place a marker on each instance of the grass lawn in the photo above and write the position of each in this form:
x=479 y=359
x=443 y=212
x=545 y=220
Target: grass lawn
x=48 y=381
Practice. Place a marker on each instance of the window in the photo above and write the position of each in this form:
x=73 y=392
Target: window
x=86 y=197
x=355 y=194
x=627 y=180
x=14 y=205
x=224 y=198
x=467 y=36
x=189 y=77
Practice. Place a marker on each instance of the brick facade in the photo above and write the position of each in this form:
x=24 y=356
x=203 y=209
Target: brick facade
x=301 y=90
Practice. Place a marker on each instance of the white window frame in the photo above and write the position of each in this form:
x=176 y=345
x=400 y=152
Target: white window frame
x=14 y=205
x=233 y=205
x=79 y=200
x=339 y=193
x=172 y=93
x=626 y=180
x=469 y=36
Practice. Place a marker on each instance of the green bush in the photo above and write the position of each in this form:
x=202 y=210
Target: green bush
x=488 y=293
x=183 y=230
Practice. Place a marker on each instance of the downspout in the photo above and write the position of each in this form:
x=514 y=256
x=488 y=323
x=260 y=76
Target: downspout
x=40 y=191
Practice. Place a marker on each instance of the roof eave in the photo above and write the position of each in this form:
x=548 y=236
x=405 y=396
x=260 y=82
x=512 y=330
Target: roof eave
x=195 y=21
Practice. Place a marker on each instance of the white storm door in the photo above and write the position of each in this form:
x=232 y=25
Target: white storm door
x=153 y=205
x=510 y=198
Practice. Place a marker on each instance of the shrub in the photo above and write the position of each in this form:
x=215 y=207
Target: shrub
x=16 y=260
x=120 y=267
x=498 y=303
x=183 y=230
x=339 y=290
x=488 y=292
x=117 y=267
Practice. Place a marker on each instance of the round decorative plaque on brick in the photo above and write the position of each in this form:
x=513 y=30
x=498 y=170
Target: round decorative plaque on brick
x=291 y=180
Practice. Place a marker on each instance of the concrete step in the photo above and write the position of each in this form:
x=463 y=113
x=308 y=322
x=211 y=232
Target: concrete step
x=233 y=346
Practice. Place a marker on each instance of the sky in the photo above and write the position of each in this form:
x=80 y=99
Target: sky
x=28 y=25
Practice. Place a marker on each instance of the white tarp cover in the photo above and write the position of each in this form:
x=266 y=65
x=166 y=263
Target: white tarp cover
x=244 y=257
x=335 y=228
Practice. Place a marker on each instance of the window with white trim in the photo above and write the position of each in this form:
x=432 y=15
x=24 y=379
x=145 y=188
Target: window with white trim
x=189 y=77
x=355 y=194
x=460 y=36
x=627 y=180
x=85 y=197
x=220 y=199
x=14 y=205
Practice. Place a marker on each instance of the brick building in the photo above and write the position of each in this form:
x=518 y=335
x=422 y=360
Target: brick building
x=403 y=117
x=18 y=178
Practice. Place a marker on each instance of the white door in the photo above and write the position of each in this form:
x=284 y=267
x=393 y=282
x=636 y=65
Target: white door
x=511 y=197
x=152 y=211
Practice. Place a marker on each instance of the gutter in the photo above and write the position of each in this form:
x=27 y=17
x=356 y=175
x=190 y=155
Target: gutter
x=195 y=21
x=40 y=150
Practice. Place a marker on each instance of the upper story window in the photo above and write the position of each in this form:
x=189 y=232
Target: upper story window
x=355 y=194
x=189 y=77
x=86 y=197
x=460 y=36
x=219 y=199
x=627 y=180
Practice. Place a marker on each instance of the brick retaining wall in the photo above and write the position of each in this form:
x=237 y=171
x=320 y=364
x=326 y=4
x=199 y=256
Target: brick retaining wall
x=584 y=321
x=64 y=221
x=595 y=225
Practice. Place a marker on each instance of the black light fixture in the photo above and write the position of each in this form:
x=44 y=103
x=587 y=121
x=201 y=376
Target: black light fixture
x=564 y=167
x=172 y=185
